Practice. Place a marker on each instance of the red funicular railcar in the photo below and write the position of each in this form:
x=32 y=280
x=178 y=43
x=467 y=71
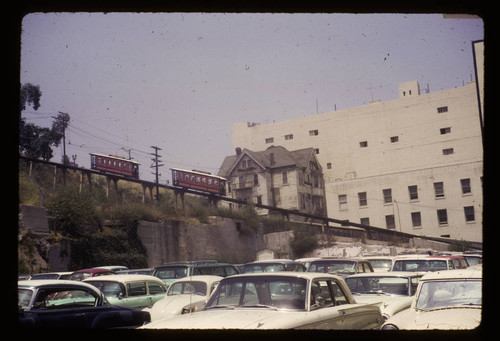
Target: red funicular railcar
x=199 y=181
x=115 y=165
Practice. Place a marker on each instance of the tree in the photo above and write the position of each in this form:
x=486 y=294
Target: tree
x=31 y=95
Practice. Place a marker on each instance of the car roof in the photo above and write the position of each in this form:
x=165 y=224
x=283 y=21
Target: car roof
x=93 y=270
x=471 y=273
x=276 y=261
x=306 y=275
x=202 y=278
x=124 y=278
x=350 y=259
x=53 y=283
x=387 y=274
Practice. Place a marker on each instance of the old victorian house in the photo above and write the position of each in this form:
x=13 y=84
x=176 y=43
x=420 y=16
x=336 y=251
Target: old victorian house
x=276 y=177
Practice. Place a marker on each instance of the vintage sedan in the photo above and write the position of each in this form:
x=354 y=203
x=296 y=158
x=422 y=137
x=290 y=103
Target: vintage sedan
x=422 y=263
x=450 y=299
x=393 y=291
x=186 y=295
x=133 y=291
x=280 y=300
x=380 y=263
x=273 y=265
x=82 y=274
x=71 y=304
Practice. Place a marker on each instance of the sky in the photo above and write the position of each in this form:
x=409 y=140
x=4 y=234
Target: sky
x=179 y=81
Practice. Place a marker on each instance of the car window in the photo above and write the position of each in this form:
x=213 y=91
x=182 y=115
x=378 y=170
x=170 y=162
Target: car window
x=155 y=288
x=54 y=298
x=338 y=293
x=109 y=289
x=171 y=272
x=194 y=287
x=24 y=297
x=320 y=295
x=136 y=289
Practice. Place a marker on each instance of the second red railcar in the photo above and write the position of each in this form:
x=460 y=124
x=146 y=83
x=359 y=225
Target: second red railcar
x=199 y=181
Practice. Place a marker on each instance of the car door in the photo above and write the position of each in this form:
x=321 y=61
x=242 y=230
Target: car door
x=324 y=313
x=136 y=296
x=155 y=292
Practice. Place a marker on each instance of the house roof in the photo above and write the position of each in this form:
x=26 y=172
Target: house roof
x=281 y=157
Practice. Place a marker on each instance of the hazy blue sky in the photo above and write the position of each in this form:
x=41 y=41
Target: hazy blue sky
x=180 y=80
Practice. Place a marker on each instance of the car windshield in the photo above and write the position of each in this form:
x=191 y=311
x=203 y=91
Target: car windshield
x=451 y=293
x=381 y=263
x=24 y=297
x=420 y=265
x=108 y=288
x=264 y=291
x=193 y=287
x=386 y=284
x=173 y=272
x=250 y=268
x=333 y=266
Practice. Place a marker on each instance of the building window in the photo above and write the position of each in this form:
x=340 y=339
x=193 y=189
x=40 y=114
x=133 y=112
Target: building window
x=364 y=221
x=329 y=165
x=446 y=130
x=255 y=179
x=413 y=192
x=316 y=151
x=363 y=202
x=342 y=202
x=313 y=132
x=442 y=109
x=387 y=195
x=469 y=213
x=442 y=217
x=416 y=219
x=270 y=140
x=302 y=203
x=465 y=183
x=390 y=222
x=448 y=151
x=301 y=178
x=363 y=144
x=394 y=139
x=285 y=178
x=439 y=190
x=289 y=137
x=259 y=200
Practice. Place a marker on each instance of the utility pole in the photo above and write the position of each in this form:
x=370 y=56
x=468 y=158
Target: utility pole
x=156 y=165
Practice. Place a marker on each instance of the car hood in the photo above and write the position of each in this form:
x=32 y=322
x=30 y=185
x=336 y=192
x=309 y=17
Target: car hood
x=389 y=305
x=172 y=305
x=444 y=318
x=251 y=318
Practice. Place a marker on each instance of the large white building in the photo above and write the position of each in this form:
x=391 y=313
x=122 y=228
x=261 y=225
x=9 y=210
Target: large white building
x=413 y=164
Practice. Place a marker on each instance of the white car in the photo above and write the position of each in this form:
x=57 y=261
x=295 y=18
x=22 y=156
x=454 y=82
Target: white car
x=421 y=263
x=133 y=291
x=393 y=291
x=279 y=300
x=450 y=299
x=380 y=263
x=186 y=295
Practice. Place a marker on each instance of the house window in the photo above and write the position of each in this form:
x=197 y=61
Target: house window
x=289 y=137
x=442 y=109
x=465 y=183
x=364 y=221
x=362 y=199
x=316 y=151
x=469 y=213
x=270 y=140
x=413 y=192
x=329 y=165
x=285 y=178
x=259 y=200
x=442 y=217
x=394 y=139
x=363 y=144
x=302 y=203
x=416 y=219
x=446 y=130
x=439 y=190
x=301 y=178
x=313 y=132
x=387 y=195
x=390 y=222
x=342 y=202
x=255 y=179
x=448 y=151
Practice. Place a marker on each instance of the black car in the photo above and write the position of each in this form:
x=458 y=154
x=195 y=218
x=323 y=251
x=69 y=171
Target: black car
x=71 y=304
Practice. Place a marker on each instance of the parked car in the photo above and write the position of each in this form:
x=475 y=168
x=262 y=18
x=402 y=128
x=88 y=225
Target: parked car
x=71 y=304
x=186 y=295
x=51 y=275
x=112 y=267
x=133 y=291
x=422 y=263
x=450 y=299
x=473 y=258
x=280 y=300
x=273 y=265
x=380 y=263
x=459 y=262
x=340 y=266
x=172 y=271
x=393 y=290
x=82 y=274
